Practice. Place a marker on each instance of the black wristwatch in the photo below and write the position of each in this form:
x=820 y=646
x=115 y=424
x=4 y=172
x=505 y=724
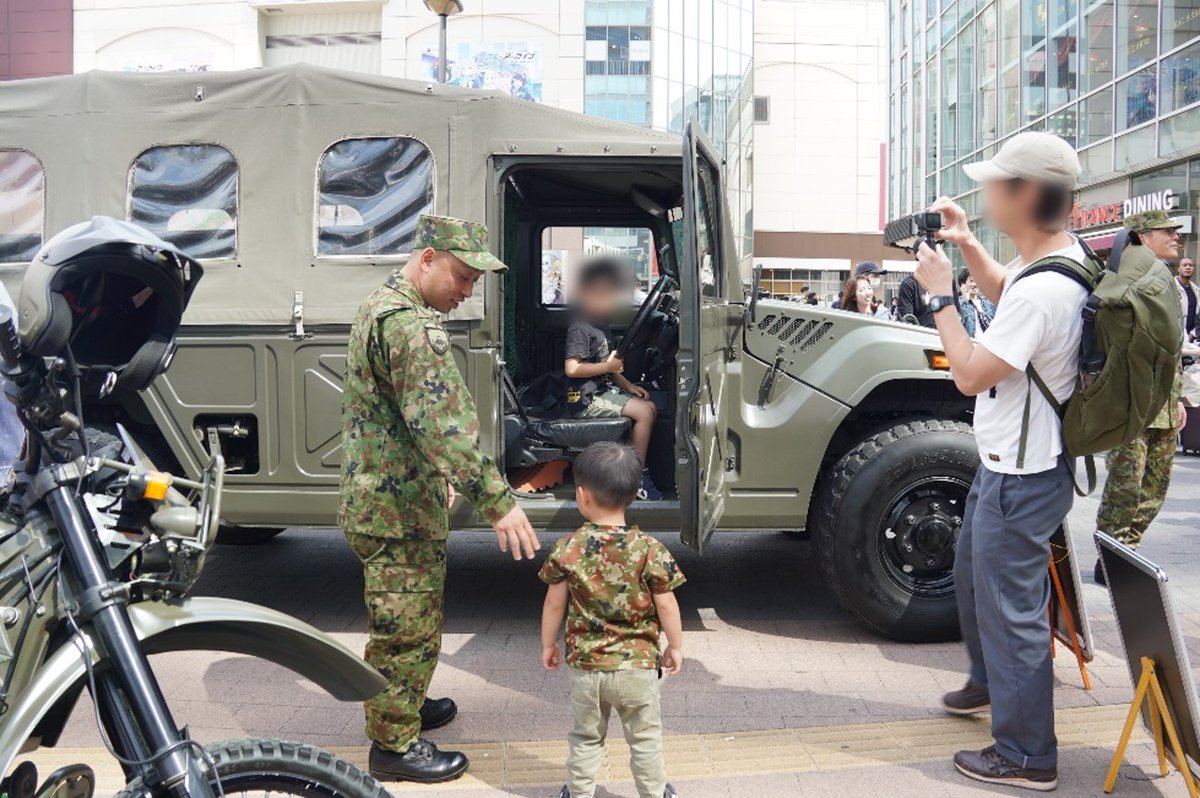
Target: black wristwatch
x=936 y=303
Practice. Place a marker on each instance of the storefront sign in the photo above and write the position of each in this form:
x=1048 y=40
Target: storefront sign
x=1085 y=216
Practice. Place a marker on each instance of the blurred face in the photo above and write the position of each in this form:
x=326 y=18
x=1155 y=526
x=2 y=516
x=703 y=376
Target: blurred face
x=1163 y=243
x=864 y=292
x=599 y=301
x=1187 y=268
x=445 y=282
x=1011 y=206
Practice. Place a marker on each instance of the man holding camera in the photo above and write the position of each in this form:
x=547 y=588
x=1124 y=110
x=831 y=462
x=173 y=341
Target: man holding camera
x=1023 y=489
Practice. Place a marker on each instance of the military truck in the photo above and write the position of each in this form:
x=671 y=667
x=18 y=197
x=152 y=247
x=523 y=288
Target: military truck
x=299 y=189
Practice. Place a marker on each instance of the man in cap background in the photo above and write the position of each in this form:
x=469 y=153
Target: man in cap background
x=410 y=438
x=1140 y=471
x=1023 y=487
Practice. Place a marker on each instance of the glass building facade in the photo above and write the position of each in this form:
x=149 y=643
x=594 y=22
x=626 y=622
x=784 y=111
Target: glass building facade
x=661 y=62
x=1119 y=79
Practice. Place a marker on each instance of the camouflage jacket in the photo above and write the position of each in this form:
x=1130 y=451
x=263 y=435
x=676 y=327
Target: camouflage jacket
x=612 y=574
x=409 y=423
x=1168 y=417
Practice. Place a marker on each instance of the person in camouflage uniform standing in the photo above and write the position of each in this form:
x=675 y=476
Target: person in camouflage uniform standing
x=409 y=439
x=619 y=583
x=1140 y=471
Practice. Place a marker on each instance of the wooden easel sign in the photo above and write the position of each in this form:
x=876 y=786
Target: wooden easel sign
x=1165 y=695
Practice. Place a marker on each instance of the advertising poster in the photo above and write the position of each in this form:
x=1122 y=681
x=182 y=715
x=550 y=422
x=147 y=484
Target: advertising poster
x=514 y=68
x=554 y=266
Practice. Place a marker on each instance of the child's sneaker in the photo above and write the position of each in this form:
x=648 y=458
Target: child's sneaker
x=670 y=792
x=648 y=492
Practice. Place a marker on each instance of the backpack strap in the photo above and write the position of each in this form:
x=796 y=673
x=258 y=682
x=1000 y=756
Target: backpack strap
x=1032 y=378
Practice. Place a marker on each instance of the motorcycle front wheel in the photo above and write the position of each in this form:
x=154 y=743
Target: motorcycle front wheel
x=276 y=767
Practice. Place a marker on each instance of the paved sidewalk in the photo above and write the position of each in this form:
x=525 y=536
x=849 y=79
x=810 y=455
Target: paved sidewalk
x=771 y=662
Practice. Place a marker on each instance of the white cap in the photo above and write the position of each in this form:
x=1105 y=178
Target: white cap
x=1038 y=157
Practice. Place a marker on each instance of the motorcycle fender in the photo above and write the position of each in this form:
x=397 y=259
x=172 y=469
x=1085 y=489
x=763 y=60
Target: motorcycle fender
x=195 y=624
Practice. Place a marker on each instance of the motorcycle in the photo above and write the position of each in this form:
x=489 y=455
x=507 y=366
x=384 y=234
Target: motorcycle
x=98 y=550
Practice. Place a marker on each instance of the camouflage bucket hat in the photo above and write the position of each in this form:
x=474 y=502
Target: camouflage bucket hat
x=1151 y=220
x=467 y=241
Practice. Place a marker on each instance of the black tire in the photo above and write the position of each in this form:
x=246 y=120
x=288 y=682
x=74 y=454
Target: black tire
x=885 y=523
x=247 y=535
x=283 y=768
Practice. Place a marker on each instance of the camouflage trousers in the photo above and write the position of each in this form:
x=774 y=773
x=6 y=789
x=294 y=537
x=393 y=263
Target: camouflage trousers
x=1138 y=475
x=404 y=581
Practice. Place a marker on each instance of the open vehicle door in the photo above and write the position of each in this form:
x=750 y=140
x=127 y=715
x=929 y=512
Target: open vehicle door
x=706 y=320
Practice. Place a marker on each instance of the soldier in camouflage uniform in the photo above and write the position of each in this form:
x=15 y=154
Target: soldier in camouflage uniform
x=1140 y=471
x=619 y=583
x=410 y=437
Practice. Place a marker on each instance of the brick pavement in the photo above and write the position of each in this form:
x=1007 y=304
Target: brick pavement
x=767 y=650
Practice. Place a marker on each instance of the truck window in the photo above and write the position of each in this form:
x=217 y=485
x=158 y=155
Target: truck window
x=187 y=194
x=22 y=206
x=708 y=229
x=370 y=193
x=565 y=248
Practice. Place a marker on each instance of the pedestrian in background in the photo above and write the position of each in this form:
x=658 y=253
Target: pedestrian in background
x=1189 y=296
x=1023 y=487
x=1140 y=471
x=409 y=439
x=973 y=306
x=618 y=583
x=859 y=297
x=913 y=303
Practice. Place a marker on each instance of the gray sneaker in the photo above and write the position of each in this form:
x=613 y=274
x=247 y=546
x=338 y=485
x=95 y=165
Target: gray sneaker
x=970 y=700
x=670 y=792
x=990 y=766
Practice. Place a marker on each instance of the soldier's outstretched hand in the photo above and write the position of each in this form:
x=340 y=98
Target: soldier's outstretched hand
x=514 y=532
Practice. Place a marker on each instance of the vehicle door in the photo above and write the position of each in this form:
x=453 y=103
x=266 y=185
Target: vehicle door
x=707 y=323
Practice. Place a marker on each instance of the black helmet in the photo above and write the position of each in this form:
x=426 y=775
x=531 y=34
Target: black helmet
x=111 y=291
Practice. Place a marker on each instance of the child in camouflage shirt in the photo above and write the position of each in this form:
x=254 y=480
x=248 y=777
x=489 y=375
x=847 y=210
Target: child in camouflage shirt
x=618 y=581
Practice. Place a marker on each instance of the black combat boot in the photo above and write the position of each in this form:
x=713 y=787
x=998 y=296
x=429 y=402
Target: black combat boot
x=437 y=712
x=422 y=762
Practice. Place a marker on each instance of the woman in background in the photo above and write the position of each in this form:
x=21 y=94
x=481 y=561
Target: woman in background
x=858 y=296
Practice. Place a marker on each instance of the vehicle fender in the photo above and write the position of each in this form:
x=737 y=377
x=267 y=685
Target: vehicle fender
x=212 y=624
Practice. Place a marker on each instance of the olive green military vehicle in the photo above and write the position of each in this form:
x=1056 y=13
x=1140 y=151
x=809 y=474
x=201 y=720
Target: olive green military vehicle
x=299 y=189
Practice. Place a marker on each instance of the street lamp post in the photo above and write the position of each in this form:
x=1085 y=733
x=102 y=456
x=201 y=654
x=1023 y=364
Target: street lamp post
x=444 y=9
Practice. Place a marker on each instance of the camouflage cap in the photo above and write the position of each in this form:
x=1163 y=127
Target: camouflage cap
x=1151 y=220
x=467 y=241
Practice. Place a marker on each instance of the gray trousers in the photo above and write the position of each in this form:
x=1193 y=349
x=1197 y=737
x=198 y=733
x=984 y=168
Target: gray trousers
x=635 y=697
x=1002 y=579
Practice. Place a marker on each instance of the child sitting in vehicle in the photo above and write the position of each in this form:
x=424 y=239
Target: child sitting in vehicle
x=596 y=388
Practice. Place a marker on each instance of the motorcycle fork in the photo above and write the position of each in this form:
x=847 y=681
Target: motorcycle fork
x=141 y=717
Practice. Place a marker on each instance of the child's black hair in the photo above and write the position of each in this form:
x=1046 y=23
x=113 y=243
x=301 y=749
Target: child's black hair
x=611 y=472
x=604 y=270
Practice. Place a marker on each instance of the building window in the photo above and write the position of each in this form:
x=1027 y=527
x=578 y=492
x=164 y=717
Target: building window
x=1137 y=34
x=370 y=193
x=1098 y=45
x=187 y=194
x=22 y=206
x=1180 y=79
x=762 y=109
x=1137 y=98
x=1181 y=23
x=1097 y=121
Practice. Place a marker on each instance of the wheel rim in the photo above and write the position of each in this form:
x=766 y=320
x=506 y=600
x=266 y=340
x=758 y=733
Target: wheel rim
x=268 y=784
x=919 y=533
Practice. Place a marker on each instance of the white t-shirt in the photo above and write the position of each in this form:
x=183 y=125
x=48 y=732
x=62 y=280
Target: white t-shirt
x=1037 y=320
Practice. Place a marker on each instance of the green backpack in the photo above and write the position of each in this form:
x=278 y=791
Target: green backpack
x=1128 y=353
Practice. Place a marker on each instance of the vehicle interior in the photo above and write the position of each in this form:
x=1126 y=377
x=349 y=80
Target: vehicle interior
x=556 y=216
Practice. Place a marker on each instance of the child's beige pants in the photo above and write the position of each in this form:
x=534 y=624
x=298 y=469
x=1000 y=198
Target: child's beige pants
x=634 y=695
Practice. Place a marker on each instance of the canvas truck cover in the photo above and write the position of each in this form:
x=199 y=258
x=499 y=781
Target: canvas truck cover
x=295 y=199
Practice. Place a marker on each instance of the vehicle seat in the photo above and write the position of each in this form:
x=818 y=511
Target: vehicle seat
x=530 y=440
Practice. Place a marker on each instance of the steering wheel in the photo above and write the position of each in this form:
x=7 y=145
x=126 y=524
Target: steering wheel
x=638 y=327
